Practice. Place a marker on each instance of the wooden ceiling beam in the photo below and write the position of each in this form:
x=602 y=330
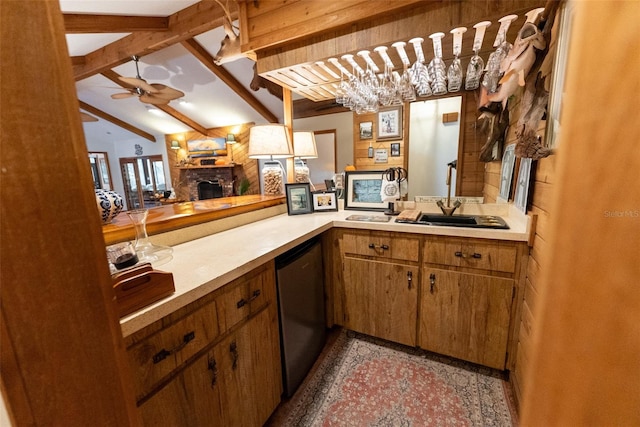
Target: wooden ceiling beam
x=82 y=24
x=184 y=119
x=206 y=59
x=115 y=77
x=184 y=24
x=116 y=121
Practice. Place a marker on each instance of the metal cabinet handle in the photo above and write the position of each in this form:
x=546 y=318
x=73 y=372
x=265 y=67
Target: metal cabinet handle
x=244 y=302
x=213 y=367
x=463 y=255
x=432 y=281
x=233 y=349
x=374 y=246
x=409 y=279
x=162 y=354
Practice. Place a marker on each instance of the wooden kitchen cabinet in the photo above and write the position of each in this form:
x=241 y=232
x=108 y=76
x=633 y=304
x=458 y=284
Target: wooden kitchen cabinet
x=466 y=316
x=466 y=303
x=234 y=379
x=379 y=290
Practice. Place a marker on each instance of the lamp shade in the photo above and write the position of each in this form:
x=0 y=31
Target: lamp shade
x=304 y=145
x=231 y=138
x=269 y=142
x=175 y=145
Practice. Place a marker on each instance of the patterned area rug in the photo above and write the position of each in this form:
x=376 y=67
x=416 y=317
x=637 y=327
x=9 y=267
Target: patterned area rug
x=363 y=381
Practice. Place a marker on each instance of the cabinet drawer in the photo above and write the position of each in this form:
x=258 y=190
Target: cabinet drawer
x=381 y=244
x=161 y=353
x=472 y=253
x=244 y=297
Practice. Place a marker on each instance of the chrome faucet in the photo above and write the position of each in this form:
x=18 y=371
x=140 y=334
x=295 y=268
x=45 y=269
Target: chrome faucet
x=449 y=210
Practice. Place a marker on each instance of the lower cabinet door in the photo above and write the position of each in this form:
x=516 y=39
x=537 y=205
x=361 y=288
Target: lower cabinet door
x=251 y=379
x=238 y=383
x=381 y=299
x=191 y=399
x=465 y=316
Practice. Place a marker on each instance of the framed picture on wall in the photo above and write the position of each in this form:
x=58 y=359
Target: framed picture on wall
x=522 y=185
x=390 y=123
x=362 y=191
x=506 y=174
x=366 y=130
x=395 y=149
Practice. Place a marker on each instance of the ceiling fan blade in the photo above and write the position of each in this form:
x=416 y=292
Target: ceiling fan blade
x=152 y=99
x=167 y=92
x=122 y=95
x=87 y=117
x=134 y=81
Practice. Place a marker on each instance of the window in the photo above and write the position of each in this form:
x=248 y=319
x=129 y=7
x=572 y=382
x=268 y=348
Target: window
x=142 y=177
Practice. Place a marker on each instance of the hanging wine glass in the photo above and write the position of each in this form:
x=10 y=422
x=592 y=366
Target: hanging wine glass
x=454 y=74
x=387 y=86
x=437 y=68
x=492 y=74
x=405 y=88
x=420 y=75
x=476 y=64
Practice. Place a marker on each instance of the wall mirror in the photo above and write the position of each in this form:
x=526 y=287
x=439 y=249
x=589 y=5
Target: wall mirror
x=432 y=146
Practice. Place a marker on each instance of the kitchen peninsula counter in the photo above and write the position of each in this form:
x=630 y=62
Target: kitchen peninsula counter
x=205 y=264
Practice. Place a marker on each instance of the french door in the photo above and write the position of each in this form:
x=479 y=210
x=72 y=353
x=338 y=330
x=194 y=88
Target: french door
x=143 y=178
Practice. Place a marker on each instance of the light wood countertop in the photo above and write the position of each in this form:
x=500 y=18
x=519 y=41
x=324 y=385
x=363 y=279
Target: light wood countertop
x=203 y=265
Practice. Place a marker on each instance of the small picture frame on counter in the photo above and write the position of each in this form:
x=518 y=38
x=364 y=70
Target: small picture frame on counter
x=324 y=201
x=298 y=198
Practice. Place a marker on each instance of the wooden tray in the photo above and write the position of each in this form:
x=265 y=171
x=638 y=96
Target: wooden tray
x=140 y=286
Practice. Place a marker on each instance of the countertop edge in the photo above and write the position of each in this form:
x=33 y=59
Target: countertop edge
x=206 y=264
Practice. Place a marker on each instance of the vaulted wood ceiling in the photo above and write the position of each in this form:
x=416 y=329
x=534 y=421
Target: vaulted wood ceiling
x=150 y=34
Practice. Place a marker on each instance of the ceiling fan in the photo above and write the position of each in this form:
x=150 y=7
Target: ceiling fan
x=149 y=93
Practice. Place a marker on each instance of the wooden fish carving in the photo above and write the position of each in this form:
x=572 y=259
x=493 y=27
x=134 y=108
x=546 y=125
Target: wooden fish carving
x=518 y=62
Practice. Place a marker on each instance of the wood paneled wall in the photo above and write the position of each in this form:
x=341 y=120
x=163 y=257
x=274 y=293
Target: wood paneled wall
x=543 y=177
x=361 y=146
x=470 y=169
x=247 y=168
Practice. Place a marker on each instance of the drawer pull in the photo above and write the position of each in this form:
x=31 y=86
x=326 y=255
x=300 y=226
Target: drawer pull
x=255 y=295
x=475 y=255
x=162 y=354
x=374 y=246
x=244 y=302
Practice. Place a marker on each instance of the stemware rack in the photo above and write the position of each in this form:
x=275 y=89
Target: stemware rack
x=319 y=80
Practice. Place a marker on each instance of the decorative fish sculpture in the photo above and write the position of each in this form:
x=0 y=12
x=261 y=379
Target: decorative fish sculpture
x=518 y=62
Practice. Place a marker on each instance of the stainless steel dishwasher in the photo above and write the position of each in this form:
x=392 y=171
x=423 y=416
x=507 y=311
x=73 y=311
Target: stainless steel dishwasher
x=301 y=306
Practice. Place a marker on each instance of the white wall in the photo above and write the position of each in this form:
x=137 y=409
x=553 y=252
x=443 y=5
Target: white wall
x=116 y=149
x=432 y=144
x=342 y=123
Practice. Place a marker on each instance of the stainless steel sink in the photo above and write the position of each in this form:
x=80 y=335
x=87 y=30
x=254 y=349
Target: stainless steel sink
x=469 y=221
